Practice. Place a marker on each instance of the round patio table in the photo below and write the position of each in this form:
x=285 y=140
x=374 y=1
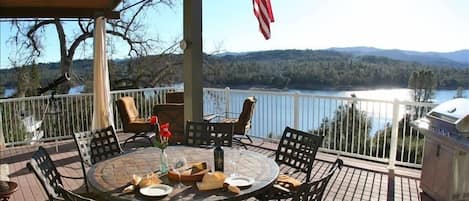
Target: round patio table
x=108 y=178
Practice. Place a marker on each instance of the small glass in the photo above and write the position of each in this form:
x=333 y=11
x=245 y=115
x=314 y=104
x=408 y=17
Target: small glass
x=234 y=158
x=179 y=165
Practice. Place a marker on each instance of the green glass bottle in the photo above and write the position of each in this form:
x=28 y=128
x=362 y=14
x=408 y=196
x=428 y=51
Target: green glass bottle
x=218 y=157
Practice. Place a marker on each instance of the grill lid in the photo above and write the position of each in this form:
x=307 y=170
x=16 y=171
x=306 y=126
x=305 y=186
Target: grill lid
x=454 y=112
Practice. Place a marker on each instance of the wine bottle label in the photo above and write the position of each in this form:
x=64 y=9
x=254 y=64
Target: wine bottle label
x=218 y=159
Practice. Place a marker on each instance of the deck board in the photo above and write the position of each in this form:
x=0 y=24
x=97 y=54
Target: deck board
x=358 y=179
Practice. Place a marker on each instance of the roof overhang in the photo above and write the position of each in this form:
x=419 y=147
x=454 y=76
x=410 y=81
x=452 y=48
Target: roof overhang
x=59 y=8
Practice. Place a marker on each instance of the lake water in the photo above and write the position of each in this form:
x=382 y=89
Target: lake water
x=380 y=94
x=401 y=94
x=73 y=90
x=273 y=113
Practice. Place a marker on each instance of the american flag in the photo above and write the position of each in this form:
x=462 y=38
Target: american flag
x=263 y=12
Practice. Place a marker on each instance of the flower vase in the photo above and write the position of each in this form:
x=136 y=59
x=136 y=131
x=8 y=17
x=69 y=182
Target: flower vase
x=163 y=162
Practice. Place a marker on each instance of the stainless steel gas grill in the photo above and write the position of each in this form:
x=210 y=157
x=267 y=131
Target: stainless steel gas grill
x=445 y=168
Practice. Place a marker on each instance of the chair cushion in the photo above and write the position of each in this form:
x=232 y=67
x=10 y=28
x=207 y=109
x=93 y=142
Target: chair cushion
x=130 y=108
x=288 y=182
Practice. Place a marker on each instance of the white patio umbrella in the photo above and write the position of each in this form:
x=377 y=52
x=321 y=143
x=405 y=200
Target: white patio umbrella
x=102 y=106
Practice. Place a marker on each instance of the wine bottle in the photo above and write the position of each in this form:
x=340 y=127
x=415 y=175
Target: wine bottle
x=218 y=158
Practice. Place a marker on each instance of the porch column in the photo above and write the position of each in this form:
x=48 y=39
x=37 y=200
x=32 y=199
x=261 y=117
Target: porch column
x=192 y=45
x=2 y=137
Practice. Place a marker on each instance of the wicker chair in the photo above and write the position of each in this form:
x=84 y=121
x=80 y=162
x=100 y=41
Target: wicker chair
x=131 y=121
x=314 y=191
x=83 y=143
x=209 y=134
x=47 y=174
x=243 y=122
x=296 y=149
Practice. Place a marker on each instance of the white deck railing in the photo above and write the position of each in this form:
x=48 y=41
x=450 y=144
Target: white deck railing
x=364 y=128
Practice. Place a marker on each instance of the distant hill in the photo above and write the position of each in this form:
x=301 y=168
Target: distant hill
x=454 y=59
x=334 y=68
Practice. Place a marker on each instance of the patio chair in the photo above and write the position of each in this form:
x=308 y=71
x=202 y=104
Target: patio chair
x=83 y=143
x=131 y=121
x=71 y=196
x=314 y=191
x=175 y=97
x=104 y=145
x=172 y=113
x=47 y=174
x=209 y=134
x=32 y=128
x=243 y=122
x=297 y=150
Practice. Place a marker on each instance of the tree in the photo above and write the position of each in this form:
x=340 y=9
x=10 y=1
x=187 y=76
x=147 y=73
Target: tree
x=27 y=78
x=459 y=93
x=423 y=84
x=409 y=141
x=348 y=130
x=71 y=35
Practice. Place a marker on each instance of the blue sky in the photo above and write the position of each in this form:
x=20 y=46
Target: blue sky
x=230 y=25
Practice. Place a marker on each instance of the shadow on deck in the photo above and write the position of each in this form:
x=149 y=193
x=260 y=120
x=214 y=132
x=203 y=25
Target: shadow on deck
x=358 y=179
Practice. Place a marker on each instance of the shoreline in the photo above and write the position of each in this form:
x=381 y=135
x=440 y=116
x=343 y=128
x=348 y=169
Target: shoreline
x=340 y=88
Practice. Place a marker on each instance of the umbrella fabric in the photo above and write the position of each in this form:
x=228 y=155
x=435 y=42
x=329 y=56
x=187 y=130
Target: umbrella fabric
x=102 y=111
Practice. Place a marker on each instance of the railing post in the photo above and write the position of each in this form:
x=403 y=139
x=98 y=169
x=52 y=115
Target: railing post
x=227 y=101
x=296 y=110
x=394 y=135
x=2 y=137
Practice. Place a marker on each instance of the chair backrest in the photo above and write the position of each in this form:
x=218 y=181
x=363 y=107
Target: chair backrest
x=127 y=111
x=70 y=196
x=245 y=117
x=196 y=133
x=298 y=149
x=204 y=133
x=104 y=144
x=46 y=172
x=221 y=133
x=172 y=113
x=175 y=97
x=83 y=141
x=314 y=191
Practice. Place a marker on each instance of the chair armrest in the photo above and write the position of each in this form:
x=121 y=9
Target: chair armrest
x=70 y=177
x=281 y=188
x=210 y=117
x=292 y=172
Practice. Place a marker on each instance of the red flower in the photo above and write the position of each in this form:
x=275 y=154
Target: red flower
x=153 y=120
x=164 y=130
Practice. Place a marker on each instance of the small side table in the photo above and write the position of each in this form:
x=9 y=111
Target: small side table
x=12 y=187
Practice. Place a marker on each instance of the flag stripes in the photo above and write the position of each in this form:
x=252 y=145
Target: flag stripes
x=263 y=12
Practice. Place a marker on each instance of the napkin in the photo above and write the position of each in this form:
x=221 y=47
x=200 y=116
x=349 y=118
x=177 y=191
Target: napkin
x=288 y=182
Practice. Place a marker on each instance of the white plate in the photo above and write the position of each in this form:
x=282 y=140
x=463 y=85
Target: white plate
x=156 y=190
x=239 y=181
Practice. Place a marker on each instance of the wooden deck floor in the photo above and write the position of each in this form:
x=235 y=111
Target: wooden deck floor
x=358 y=179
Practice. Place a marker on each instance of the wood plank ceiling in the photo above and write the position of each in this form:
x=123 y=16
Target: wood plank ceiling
x=58 y=8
